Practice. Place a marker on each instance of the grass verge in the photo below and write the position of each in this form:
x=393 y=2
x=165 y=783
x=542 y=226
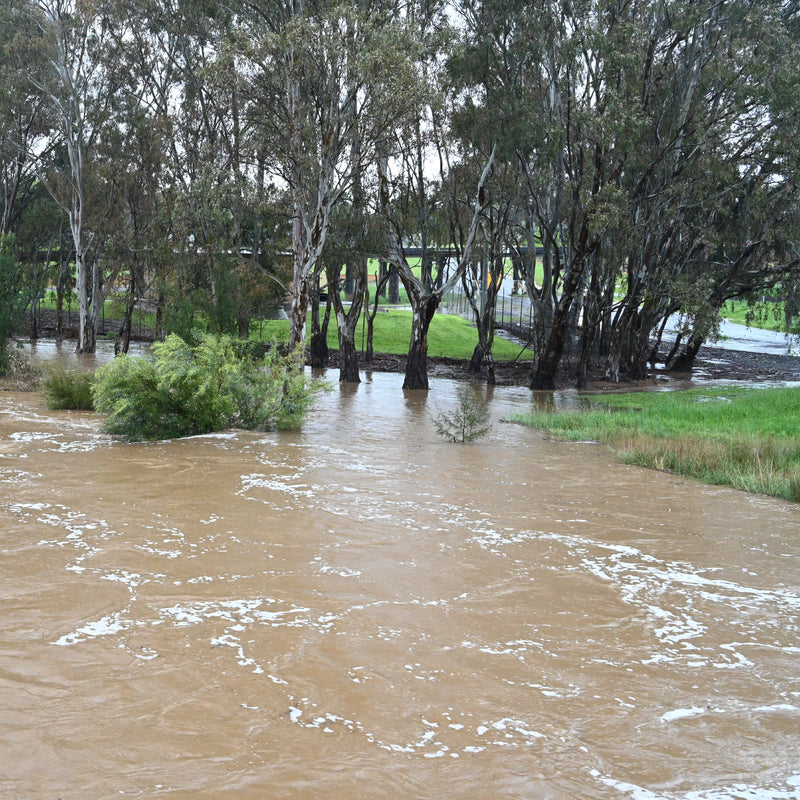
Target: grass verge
x=740 y=437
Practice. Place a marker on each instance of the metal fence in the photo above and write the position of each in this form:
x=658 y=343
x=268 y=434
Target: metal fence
x=513 y=312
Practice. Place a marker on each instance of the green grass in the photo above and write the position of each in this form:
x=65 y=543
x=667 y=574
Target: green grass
x=449 y=336
x=769 y=316
x=745 y=438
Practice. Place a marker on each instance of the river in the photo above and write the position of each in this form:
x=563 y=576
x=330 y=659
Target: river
x=363 y=610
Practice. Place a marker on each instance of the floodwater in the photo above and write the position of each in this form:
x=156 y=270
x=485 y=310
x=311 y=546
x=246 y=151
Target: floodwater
x=362 y=610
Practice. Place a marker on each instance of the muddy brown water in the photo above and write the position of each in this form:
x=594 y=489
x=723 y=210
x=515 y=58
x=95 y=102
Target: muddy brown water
x=362 y=610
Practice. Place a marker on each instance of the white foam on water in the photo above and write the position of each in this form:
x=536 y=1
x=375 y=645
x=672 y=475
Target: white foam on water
x=788 y=790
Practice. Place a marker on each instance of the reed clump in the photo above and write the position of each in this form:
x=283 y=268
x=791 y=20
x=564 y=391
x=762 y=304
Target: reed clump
x=745 y=438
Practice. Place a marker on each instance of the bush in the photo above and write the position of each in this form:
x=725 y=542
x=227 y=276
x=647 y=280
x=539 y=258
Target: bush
x=185 y=390
x=469 y=421
x=20 y=374
x=68 y=389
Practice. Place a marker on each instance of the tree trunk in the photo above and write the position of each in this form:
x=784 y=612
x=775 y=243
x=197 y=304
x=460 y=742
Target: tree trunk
x=544 y=375
x=348 y=359
x=417 y=361
x=299 y=302
x=394 y=287
x=124 y=334
x=319 y=353
x=299 y=307
x=347 y=323
x=35 y=320
x=84 y=331
x=318 y=348
x=62 y=275
x=481 y=356
x=685 y=361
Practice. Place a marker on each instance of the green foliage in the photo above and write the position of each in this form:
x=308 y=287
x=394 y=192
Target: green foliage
x=68 y=389
x=746 y=438
x=467 y=422
x=184 y=390
x=9 y=298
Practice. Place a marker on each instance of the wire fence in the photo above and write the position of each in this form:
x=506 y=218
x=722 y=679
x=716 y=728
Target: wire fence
x=513 y=312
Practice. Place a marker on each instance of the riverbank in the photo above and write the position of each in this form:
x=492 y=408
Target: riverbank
x=728 y=436
x=714 y=363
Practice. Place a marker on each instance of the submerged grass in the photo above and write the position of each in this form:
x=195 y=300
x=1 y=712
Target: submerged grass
x=740 y=437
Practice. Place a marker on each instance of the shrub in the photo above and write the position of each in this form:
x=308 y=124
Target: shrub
x=184 y=390
x=20 y=374
x=68 y=389
x=469 y=420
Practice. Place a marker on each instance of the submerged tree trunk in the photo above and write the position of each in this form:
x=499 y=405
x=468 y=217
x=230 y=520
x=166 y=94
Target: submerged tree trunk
x=347 y=321
x=544 y=375
x=548 y=362
x=87 y=331
x=60 y=287
x=380 y=291
x=416 y=376
x=318 y=345
x=482 y=356
x=348 y=359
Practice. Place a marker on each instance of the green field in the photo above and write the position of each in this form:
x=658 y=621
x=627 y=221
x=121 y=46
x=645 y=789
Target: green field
x=449 y=336
x=769 y=316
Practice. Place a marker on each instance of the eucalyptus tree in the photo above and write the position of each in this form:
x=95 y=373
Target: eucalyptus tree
x=208 y=170
x=355 y=234
x=673 y=95
x=652 y=150
x=527 y=69
x=712 y=208
x=415 y=175
x=326 y=84
x=425 y=292
x=744 y=245
x=23 y=119
x=69 y=37
x=490 y=69
x=10 y=291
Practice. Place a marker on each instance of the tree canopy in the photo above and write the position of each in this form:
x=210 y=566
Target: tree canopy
x=635 y=160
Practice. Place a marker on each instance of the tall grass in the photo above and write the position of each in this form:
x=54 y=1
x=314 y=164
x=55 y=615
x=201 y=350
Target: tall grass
x=745 y=438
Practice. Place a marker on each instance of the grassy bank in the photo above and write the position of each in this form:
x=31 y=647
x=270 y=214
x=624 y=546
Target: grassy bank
x=745 y=438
